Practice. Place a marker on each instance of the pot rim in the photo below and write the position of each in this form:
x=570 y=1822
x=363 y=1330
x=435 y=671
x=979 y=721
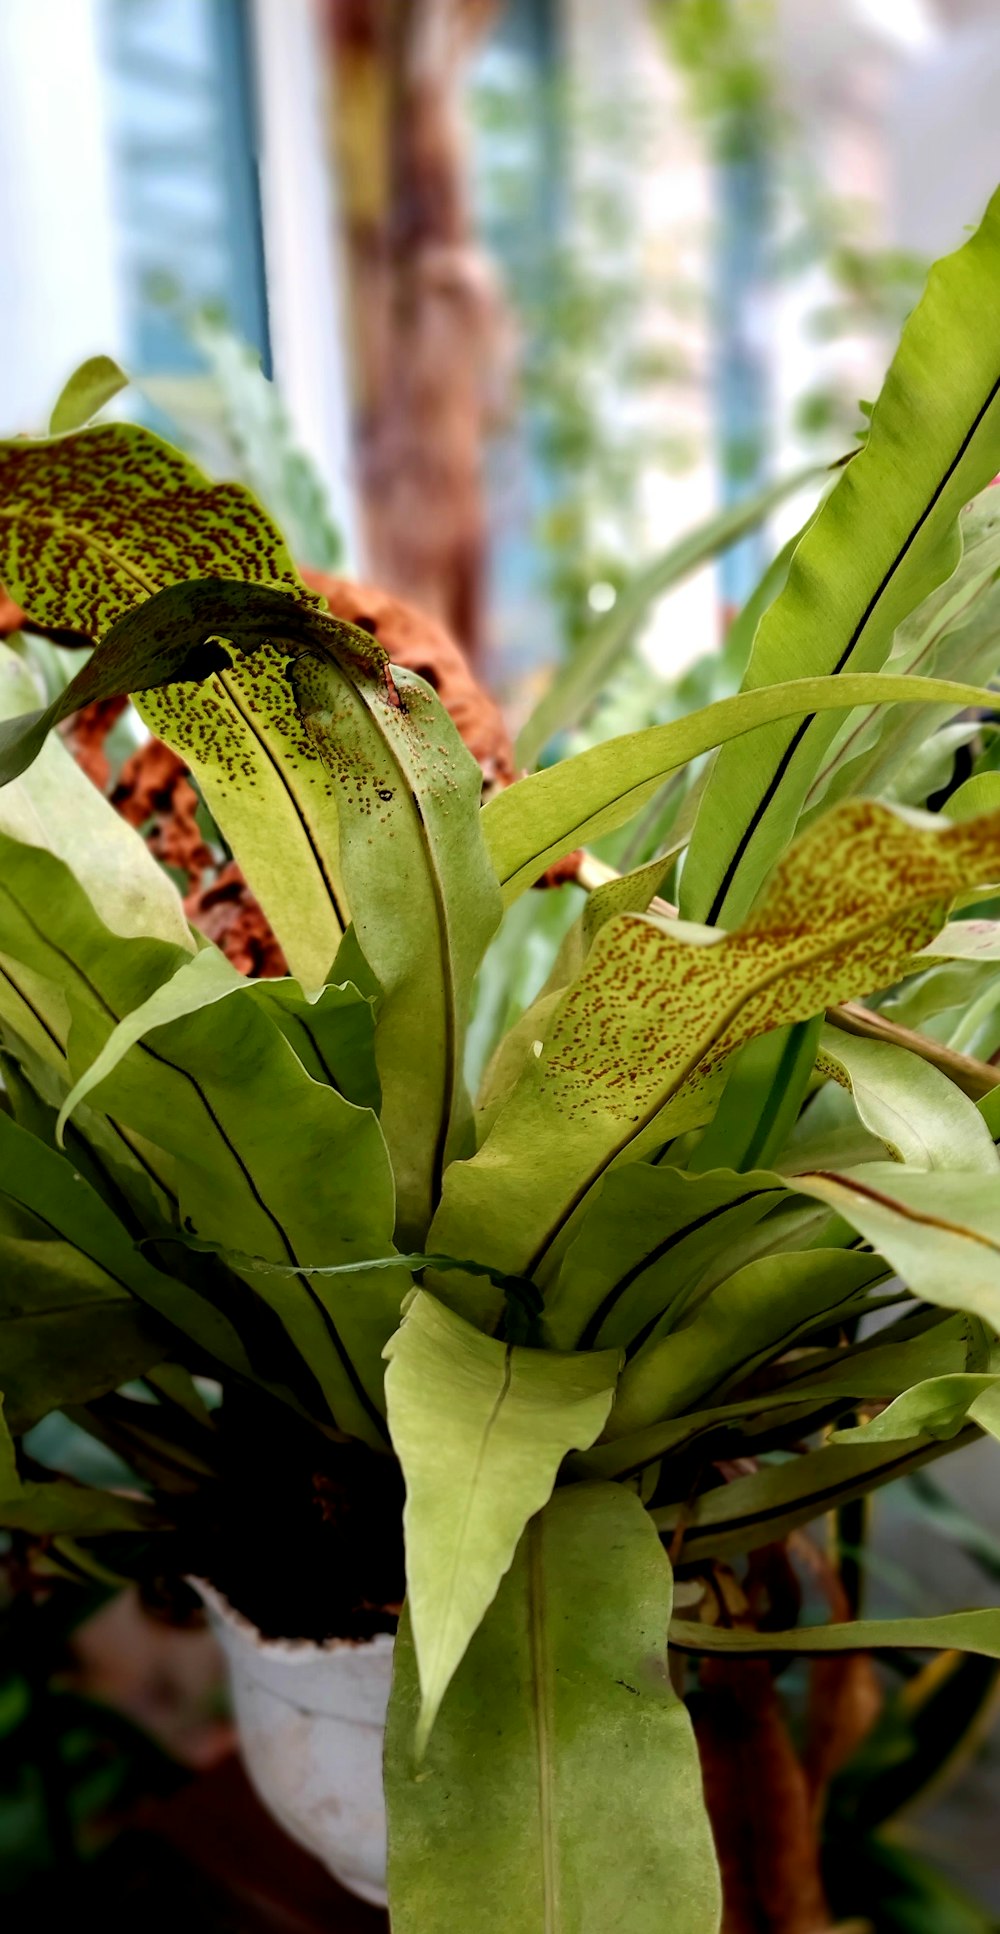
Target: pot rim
x=286 y=1651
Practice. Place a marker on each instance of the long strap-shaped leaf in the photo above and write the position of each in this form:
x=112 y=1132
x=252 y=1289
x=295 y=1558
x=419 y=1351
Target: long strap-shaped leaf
x=977 y=1631
x=541 y=818
x=480 y=1429
x=424 y=902
x=885 y=537
x=560 y=1792
x=634 y=1051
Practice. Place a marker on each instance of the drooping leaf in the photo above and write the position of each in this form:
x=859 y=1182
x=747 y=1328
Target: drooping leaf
x=560 y=1792
x=940 y=1231
x=921 y=1116
x=941 y=1407
x=634 y=1052
x=576 y=684
x=976 y=1631
x=94 y=524
x=885 y=537
x=537 y=821
x=85 y=392
x=778 y=1498
x=758 y=1311
x=424 y=902
x=480 y=1428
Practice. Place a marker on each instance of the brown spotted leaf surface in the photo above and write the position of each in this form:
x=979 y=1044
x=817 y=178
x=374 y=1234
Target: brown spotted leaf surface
x=633 y=1054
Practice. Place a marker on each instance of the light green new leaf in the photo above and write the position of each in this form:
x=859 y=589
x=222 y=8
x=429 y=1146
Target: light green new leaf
x=541 y=818
x=643 y=1243
x=885 y=537
x=921 y=1116
x=634 y=1052
x=86 y=391
x=424 y=903
x=560 y=1793
x=972 y=940
x=48 y=1509
x=748 y=1320
x=577 y=683
x=941 y=1407
x=480 y=1428
x=939 y=1231
x=977 y=1631
x=56 y=807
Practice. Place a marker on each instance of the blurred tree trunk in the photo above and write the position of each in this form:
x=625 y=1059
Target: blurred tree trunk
x=427 y=320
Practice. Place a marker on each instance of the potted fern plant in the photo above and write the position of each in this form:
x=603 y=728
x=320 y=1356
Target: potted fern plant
x=712 y=1252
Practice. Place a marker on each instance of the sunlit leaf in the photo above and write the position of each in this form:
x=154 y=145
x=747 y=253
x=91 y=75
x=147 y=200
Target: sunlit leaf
x=560 y=1792
x=480 y=1428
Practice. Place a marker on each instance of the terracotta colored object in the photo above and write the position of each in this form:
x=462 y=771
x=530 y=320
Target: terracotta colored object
x=228 y=913
x=414 y=639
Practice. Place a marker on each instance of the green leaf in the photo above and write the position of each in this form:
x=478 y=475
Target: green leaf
x=480 y=1428
x=538 y=820
x=47 y=1184
x=200 y=1097
x=921 y=1116
x=823 y=1380
x=48 y=1509
x=940 y=1231
x=68 y=1331
x=424 y=903
x=634 y=1052
x=560 y=1793
x=778 y=1498
x=977 y=1631
x=952 y=634
x=197 y=984
x=87 y=390
x=941 y=1407
x=885 y=537
x=751 y=1318
x=56 y=807
x=645 y=1240
x=760 y=1102
x=93 y=525
x=577 y=683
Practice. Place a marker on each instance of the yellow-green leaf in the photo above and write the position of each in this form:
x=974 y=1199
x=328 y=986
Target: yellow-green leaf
x=480 y=1428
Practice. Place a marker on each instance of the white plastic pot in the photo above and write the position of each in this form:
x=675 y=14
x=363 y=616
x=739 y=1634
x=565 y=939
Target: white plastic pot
x=311 y=1721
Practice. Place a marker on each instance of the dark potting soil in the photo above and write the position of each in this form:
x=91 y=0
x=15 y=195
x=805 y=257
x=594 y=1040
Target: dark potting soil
x=302 y=1535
